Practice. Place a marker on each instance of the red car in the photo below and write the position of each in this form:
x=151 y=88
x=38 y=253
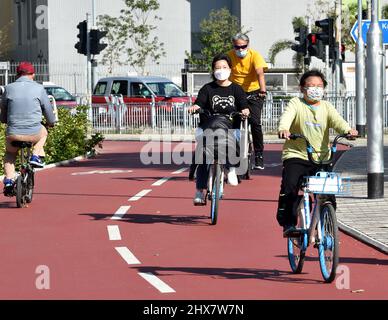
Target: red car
x=139 y=90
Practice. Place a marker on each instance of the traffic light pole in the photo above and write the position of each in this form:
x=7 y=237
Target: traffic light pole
x=338 y=41
x=360 y=78
x=88 y=64
x=375 y=107
x=93 y=62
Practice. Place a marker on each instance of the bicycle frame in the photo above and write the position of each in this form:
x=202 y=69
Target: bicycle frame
x=311 y=218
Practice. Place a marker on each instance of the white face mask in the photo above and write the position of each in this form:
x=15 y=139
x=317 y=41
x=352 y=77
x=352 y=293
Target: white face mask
x=314 y=93
x=222 y=74
x=241 y=54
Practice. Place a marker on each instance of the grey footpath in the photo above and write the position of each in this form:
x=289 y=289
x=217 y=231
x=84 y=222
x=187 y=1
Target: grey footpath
x=363 y=218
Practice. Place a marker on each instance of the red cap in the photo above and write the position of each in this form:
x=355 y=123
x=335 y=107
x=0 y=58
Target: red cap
x=25 y=68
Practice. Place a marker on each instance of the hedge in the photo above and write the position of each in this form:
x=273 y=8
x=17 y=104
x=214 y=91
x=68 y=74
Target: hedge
x=67 y=140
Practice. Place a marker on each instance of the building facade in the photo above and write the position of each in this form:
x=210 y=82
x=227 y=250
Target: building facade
x=45 y=32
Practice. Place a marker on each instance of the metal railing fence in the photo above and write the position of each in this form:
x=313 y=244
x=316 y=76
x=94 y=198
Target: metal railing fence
x=117 y=117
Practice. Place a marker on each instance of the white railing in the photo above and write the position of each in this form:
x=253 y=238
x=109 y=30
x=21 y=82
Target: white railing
x=115 y=116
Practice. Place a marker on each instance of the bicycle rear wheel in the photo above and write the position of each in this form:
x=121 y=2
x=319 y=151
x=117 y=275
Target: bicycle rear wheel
x=215 y=193
x=20 y=192
x=30 y=186
x=296 y=247
x=328 y=246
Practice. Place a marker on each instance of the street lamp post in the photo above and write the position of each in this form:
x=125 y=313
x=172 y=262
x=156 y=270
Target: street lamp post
x=360 y=77
x=375 y=106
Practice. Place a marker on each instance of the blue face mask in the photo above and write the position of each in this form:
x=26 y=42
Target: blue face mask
x=241 y=54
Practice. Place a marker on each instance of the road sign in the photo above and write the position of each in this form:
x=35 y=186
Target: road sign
x=365 y=27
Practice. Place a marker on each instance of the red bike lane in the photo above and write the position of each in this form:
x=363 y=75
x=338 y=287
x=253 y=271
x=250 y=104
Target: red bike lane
x=159 y=246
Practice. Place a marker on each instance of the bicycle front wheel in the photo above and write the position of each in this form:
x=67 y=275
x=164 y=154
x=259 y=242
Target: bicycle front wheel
x=296 y=247
x=215 y=193
x=328 y=246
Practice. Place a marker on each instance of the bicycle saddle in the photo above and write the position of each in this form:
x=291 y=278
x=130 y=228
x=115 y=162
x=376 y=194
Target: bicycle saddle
x=21 y=144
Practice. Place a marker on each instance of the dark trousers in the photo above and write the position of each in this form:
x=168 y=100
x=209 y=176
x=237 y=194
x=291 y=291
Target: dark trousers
x=256 y=108
x=292 y=177
x=294 y=170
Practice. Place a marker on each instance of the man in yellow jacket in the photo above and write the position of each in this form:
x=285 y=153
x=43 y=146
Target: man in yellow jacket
x=312 y=117
x=248 y=68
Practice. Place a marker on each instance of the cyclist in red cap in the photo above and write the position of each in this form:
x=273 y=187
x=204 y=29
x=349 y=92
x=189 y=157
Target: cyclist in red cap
x=23 y=104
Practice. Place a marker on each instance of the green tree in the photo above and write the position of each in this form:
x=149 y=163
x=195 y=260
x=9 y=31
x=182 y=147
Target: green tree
x=215 y=35
x=131 y=32
x=4 y=39
x=285 y=44
x=384 y=12
x=115 y=39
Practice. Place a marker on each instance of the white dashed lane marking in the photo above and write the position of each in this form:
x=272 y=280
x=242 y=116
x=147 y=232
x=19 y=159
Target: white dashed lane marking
x=114 y=233
x=121 y=213
x=140 y=195
x=180 y=171
x=101 y=172
x=157 y=283
x=127 y=255
x=160 y=182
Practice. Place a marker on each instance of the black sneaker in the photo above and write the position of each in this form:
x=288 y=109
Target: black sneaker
x=8 y=188
x=259 y=161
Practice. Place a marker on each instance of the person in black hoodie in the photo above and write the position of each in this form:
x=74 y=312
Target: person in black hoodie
x=220 y=96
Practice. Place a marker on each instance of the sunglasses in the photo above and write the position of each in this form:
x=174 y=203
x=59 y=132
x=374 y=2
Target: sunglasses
x=240 y=47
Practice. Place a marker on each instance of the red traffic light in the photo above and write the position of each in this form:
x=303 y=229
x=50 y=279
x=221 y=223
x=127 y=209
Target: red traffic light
x=312 y=37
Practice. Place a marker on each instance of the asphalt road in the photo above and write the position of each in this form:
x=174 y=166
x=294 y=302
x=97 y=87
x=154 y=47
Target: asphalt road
x=114 y=228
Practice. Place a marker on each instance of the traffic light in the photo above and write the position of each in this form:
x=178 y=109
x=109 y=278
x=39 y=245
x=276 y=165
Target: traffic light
x=315 y=46
x=327 y=35
x=82 y=35
x=301 y=48
x=95 y=36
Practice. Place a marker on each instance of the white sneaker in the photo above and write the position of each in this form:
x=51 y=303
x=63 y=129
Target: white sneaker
x=199 y=198
x=232 y=177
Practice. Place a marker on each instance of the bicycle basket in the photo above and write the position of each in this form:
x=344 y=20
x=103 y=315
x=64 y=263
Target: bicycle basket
x=328 y=183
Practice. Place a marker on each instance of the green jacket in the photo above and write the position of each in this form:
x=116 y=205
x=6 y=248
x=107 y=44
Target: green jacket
x=312 y=122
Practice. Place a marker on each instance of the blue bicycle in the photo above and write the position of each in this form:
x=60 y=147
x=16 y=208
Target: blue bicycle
x=316 y=217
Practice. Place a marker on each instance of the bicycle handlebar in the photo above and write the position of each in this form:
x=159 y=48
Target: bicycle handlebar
x=207 y=112
x=333 y=148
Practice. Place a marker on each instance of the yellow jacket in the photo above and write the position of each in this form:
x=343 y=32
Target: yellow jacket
x=312 y=122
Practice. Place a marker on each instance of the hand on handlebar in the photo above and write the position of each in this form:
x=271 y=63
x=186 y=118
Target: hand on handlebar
x=284 y=134
x=193 y=109
x=245 y=113
x=353 y=134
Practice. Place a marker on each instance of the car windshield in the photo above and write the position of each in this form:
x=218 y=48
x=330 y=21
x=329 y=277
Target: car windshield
x=59 y=94
x=165 y=89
